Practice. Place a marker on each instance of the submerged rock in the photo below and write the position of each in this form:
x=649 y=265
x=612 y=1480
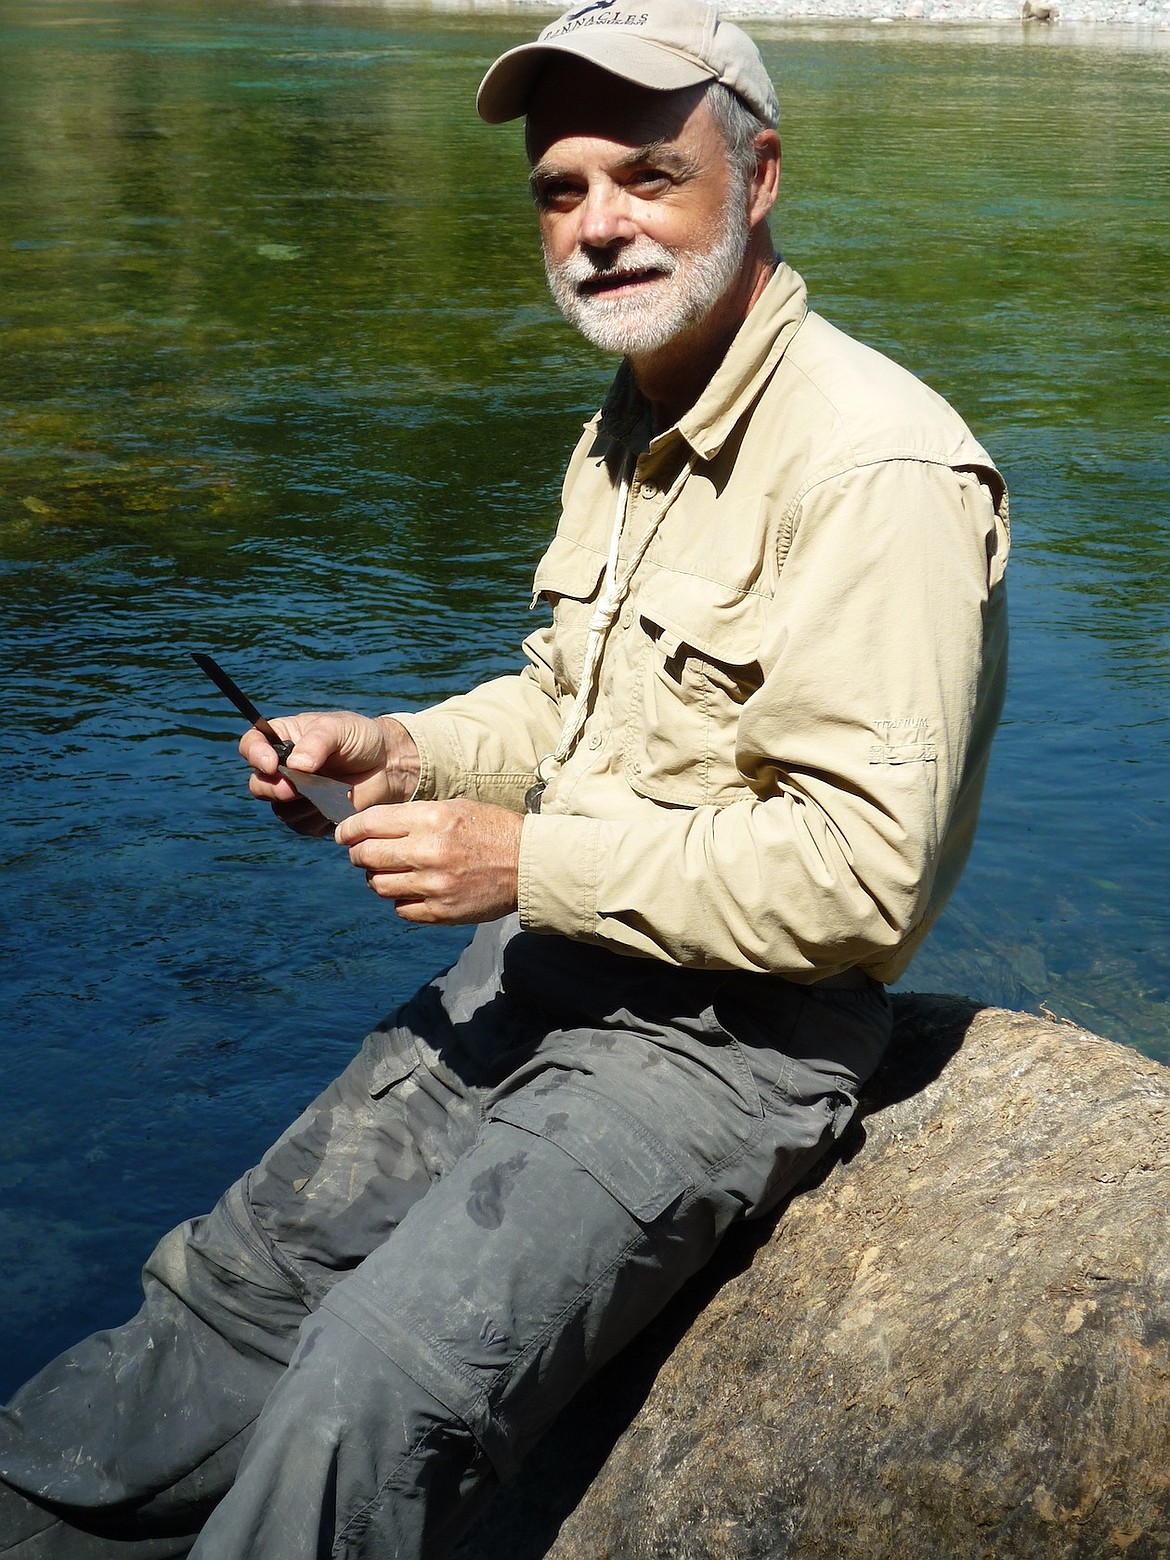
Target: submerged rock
x=956 y=1343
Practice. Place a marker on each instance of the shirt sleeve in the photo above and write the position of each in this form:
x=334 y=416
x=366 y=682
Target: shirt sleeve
x=486 y=744
x=863 y=751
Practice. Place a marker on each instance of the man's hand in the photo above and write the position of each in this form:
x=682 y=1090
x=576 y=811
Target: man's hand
x=377 y=758
x=442 y=863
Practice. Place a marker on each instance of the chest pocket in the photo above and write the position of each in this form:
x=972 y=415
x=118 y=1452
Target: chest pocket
x=696 y=645
x=569 y=577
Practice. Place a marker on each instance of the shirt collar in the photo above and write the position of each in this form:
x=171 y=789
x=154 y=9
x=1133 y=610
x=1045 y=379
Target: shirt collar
x=759 y=344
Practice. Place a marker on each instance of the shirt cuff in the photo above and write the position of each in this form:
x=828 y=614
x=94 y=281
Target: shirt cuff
x=560 y=858
x=444 y=770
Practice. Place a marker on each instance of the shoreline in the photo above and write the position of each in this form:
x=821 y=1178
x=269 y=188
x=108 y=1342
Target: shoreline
x=1079 y=19
x=1153 y=15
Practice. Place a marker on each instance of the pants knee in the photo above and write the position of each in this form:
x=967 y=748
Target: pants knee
x=479 y=1300
x=221 y=1269
x=353 y=1445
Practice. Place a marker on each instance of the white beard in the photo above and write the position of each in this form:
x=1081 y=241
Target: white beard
x=690 y=286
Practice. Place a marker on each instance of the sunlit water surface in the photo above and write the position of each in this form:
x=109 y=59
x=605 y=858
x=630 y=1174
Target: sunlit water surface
x=279 y=379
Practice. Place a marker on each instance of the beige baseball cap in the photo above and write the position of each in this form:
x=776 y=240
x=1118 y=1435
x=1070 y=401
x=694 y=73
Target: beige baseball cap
x=661 y=44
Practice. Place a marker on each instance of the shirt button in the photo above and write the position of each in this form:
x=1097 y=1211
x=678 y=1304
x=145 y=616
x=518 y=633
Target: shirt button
x=595 y=740
x=627 y=618
x=649 y=490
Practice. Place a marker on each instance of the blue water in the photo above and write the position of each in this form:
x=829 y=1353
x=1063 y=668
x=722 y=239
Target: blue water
x=279 y=379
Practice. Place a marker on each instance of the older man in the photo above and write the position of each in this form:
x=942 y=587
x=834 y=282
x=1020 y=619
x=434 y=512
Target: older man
x=711 y=818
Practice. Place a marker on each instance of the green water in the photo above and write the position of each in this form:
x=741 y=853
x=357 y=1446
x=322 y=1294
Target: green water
x=279 y=379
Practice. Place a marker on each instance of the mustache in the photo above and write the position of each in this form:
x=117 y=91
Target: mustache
x=586 y=275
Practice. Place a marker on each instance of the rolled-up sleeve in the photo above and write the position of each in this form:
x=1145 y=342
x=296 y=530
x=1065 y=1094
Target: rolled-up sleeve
x=486 y=744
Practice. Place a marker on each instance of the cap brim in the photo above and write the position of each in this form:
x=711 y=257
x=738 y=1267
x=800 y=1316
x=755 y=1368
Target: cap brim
x=506 y=91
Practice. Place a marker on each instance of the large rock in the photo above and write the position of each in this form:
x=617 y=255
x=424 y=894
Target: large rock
x=955 y=1344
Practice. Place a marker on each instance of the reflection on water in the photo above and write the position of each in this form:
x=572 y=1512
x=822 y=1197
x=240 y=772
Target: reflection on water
x=280 y=381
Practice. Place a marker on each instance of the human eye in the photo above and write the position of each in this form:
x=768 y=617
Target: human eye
x=649 y=182
x=555 y=193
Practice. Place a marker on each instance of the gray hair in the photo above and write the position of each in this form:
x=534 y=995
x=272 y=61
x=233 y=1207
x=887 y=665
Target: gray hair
x=739 y=127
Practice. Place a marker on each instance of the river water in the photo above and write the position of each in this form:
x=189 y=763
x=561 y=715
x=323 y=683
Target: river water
x=279 y=379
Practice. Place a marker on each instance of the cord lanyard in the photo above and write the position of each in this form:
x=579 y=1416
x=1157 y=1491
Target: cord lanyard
x=615 y=588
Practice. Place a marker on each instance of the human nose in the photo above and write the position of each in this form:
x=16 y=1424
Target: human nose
x=605 y=217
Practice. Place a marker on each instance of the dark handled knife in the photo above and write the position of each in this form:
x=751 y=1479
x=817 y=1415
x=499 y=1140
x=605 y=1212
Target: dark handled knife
x=330 y=797
x=242 y=702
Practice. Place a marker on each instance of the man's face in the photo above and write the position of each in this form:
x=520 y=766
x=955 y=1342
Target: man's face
x=642 y=219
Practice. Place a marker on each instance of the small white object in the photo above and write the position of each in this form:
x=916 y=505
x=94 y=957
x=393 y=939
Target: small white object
x=329 y=797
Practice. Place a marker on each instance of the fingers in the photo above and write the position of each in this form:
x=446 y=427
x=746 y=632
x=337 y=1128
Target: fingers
x=328 y=742
x=377 y=759
x=438 y=862
x=259 y=752
x=388 y=844
x=293 y=809
x=335 y=738
x=317 y=741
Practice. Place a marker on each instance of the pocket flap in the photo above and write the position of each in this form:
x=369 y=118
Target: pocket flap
x=720 y=622
x=568 y=569
x=392 y=1057
x=625 y=1157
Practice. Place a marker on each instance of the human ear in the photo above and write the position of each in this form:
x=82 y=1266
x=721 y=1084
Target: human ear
x=765 y=181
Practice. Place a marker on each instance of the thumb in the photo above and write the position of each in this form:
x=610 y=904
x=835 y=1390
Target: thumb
x=316 y=745
x=338 y=740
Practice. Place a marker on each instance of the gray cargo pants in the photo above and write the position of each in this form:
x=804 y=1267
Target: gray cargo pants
x=373 y=1327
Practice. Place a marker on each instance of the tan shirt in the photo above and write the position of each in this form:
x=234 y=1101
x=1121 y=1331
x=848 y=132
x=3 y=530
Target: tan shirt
x=786 y=744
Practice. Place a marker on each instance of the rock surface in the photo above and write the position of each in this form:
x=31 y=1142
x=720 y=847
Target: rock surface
x=955 y=1344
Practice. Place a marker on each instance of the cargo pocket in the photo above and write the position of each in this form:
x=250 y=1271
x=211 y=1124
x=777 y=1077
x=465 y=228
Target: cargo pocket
x=391 y=1056
x=626 y=1159
x=697 y=652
